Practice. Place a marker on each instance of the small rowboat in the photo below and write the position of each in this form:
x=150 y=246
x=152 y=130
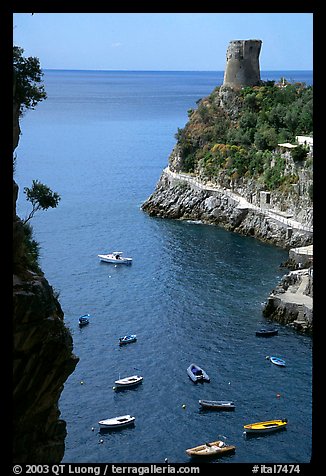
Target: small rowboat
x=217 y=404
x=127 y=339
x=197 y=374
x=277 y=361
x=215 y=448
x=266 y=332
x=117 y=422
x=84 y=320
x=266 y=426
x=128 y=381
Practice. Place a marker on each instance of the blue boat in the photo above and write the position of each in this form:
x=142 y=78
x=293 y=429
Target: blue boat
x=84 y=320
x=277 y=361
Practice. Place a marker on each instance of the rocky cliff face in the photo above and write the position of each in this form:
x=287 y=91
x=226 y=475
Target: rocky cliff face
x=42 y=356
x=294 y=202
x=178 y=197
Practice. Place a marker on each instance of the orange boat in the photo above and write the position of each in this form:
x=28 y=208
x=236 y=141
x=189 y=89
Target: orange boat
x=215 y=448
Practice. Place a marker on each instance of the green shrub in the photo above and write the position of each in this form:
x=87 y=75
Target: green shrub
x=299 y=153
x=28 y=90
x=274 y=176
x=31 y=250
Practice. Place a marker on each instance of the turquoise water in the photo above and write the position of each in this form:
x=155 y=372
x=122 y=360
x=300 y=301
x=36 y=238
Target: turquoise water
x=193 y=293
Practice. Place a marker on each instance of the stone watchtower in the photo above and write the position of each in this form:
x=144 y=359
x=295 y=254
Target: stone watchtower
x=242 y=63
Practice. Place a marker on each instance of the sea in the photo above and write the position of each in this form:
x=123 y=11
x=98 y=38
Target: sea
x=194 y=293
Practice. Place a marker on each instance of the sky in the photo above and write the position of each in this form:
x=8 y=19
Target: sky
x=162 y=41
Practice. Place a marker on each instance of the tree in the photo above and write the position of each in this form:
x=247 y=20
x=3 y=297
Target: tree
x=27 y=78
x=265 y=138
x=41 y=198
x=299 y=153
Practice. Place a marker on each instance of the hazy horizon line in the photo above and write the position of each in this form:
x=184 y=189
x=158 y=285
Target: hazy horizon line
x=166 y=70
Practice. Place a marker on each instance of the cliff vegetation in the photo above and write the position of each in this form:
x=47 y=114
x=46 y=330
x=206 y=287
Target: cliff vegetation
x=245 y=162
x=234 y=138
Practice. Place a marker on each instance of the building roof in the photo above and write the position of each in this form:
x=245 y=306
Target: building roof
x=287 y=145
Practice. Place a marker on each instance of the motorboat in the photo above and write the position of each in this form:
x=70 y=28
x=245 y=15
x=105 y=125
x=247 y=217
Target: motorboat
x=266 y=426
x=117 y=422
x=127 y=339
x=128 y=381
x=197 y=374
x=277 y=361
x=115 y=257
x=215 y=448
x=217 y=404
x=263 y=332
x=83 y=320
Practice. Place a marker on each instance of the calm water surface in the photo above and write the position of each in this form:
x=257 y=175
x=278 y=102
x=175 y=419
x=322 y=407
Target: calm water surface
x=194 y=293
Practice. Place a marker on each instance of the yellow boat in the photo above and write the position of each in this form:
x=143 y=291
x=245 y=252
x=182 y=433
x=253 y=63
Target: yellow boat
x=215 y=448
x=266 y=426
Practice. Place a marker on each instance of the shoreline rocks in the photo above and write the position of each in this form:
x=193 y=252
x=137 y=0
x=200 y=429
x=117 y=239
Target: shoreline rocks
x=182 y=197
x=291 y=302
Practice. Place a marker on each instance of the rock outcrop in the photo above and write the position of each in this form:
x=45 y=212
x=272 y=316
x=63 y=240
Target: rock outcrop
x=42 y=362
x=291 y=302
x=179 y=196
x=42 y=355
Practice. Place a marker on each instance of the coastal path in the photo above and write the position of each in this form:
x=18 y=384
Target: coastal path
x=242 y=202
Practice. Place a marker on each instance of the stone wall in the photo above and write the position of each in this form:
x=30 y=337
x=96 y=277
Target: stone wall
x=242 y=63
x=291 y=302
x=302 y=257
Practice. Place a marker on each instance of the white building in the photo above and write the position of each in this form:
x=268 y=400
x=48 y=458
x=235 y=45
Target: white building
x=306 y=140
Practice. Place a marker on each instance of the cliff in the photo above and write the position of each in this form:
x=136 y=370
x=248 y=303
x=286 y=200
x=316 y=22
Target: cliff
x=180 y=196
x=42 y=354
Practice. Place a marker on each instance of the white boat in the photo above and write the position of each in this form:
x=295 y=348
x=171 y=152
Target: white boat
x=127 y=339
x=117 y=422
x=115 y=257
x=128 y=381
x=197 y=374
